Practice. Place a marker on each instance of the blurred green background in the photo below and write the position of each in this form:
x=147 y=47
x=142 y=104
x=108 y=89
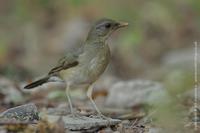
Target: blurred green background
x=158 y=44
x=34 y=34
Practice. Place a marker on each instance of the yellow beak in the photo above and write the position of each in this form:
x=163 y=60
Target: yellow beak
x=122 y=24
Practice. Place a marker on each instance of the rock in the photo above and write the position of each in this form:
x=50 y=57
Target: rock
x=23 y=113
x=83 y=123
x=136 y=92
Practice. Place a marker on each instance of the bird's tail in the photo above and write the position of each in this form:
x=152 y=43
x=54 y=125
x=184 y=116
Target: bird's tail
x=37 y=83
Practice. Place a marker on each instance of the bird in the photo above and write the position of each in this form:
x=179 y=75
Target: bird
x=84 y=66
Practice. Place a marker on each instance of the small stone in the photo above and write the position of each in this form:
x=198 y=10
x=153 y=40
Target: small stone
x=136 y=92
x=83 y=122
x=23 y=113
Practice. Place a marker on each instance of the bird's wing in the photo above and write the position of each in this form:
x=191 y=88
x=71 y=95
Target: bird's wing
x=68 y=61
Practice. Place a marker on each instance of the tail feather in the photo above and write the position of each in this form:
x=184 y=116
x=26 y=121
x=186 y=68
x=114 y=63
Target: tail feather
x=36 y=83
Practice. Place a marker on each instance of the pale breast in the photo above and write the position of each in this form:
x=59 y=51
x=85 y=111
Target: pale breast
x=99 y=63
x=92 y=64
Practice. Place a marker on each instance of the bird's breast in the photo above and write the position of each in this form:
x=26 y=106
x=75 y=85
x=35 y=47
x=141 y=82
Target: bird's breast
x=92 y=64
x=99 y=62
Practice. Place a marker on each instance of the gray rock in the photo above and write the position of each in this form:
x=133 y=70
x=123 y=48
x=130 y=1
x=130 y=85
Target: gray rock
x=136 y=92
x=83 y=122
x=23 y=113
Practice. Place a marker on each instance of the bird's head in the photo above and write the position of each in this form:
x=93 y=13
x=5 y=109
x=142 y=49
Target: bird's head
x=103 y=28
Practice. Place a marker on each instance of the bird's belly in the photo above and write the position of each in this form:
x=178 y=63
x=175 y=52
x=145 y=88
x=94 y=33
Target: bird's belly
x=75 y=75
x=85 y=74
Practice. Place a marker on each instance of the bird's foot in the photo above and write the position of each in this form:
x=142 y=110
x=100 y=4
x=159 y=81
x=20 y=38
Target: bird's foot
x=76 y=116
x=99 y=116
x=102 y=117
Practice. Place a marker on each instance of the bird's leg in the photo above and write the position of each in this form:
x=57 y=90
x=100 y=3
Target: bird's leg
x=69 y=99
x=74 y=115
x=89 y=94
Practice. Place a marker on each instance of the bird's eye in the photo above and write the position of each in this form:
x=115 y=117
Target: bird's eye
x=108 y=25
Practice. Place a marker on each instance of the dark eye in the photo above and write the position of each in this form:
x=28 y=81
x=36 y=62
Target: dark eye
x=108 y=25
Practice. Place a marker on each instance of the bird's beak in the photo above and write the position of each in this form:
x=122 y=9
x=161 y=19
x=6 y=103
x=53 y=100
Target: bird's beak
x=122 y=24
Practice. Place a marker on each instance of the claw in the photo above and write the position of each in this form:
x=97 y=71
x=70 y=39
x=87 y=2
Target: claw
x=76 y=116
x=103 y=117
